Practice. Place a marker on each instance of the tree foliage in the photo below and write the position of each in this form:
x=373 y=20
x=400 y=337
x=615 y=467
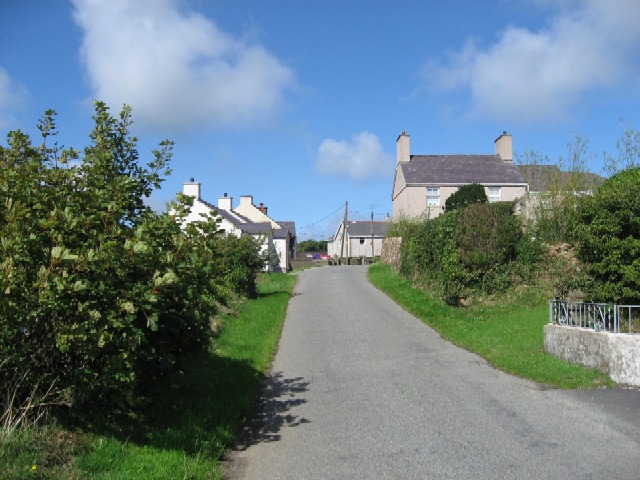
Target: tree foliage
x=99 y=295
x=312 y=246
x=608 y=237
x=555 y=188
x=466 y=195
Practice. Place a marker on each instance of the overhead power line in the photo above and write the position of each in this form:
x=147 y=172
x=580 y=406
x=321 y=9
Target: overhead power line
x=323 y=218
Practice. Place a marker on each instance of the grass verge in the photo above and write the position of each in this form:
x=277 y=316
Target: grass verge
x=193 y=418
x=508 y=334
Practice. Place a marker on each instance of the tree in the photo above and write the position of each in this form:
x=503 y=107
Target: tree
x=466 y=195
x=554 y=189
x=628 y=147
x=608 y=235
x=312 y=246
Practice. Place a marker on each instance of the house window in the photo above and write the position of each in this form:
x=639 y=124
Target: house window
x=361 y=240
x=494 y=194
x=433 y=197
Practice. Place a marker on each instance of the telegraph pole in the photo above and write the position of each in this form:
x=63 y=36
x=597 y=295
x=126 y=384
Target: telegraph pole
x=372 y=249
x=344 y=229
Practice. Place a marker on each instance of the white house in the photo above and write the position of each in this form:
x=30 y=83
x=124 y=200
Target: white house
x=360 y=238
x=247 y=219
x=422 y=183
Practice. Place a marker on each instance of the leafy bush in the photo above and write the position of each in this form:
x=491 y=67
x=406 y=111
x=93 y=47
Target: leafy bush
x=99 y=294
x=466 y=195
x=488 y=235
x=529 y=251
x=608 y=237
x=466 y=250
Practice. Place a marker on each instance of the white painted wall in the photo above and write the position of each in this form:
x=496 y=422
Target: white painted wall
x=281 y=246
x=616 y=354
x=357 y=249
x=353 y=247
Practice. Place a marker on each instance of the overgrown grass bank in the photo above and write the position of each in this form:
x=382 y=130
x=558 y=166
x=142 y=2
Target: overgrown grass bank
x=192 y=419
x=508 y=334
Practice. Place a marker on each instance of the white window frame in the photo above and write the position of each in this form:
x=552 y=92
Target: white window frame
x=433 y=196
x=494 y=194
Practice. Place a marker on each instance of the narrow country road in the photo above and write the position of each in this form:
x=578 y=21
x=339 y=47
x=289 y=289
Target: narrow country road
x=360 y=389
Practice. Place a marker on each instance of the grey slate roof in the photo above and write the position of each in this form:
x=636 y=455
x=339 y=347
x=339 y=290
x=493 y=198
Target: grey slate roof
x=250 y=227
x=287 y=228
x=460 y=169
x=255 y=228
x=232 y=217
x=362 y=228
x=240 y=221
x=546 y=177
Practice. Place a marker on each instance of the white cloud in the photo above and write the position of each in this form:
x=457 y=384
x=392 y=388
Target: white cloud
x=13 y=97
x=529 y=77
x=176 y=69
x=362 y=158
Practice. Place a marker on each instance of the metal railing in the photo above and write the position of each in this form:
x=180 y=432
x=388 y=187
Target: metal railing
x=628 y=318
x=601 y=317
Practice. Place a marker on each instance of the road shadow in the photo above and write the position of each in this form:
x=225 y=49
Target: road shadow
x=273 y=411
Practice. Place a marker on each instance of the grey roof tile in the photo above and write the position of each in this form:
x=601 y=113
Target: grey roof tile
x=362 y=228
x=460 y=169
x=255 y=228
x=548 y=177
x=288 y=227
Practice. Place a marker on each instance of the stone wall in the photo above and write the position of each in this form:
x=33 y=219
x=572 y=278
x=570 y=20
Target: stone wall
x=391 y=252
x=616 y=354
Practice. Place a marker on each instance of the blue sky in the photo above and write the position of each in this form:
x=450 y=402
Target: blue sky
x=300 y=103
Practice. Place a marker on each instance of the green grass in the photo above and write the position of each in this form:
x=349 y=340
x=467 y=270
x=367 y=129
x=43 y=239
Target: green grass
x=509 y=334
x=193 y=418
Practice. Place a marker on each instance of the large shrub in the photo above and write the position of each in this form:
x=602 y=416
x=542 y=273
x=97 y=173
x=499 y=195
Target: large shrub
x=466 y=251
x=608 y=237
x=466 y=195
x=488 y=235
x=99 y=294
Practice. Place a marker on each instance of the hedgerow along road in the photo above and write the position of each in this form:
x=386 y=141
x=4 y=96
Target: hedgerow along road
x=361 y=389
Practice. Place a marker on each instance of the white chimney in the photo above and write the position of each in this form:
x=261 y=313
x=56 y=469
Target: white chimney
x=246 y=199
x=402 y=148
x=504 y=147
x=225 y=203
x=191 y=188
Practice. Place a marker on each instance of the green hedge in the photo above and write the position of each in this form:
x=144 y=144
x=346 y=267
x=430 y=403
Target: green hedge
x=608 y=235
x=479 y=248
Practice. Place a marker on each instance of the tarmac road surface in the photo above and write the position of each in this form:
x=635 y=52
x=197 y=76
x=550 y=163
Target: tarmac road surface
x=360 y=389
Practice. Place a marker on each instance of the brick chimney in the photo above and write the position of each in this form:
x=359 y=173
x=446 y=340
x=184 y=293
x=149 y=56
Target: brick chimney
x=225 y=203
x=504 y=147
x=402 y=148
x=262 y=208
x=191 y=188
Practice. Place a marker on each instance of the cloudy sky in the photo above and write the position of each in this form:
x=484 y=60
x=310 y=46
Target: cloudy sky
x=300 y=103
